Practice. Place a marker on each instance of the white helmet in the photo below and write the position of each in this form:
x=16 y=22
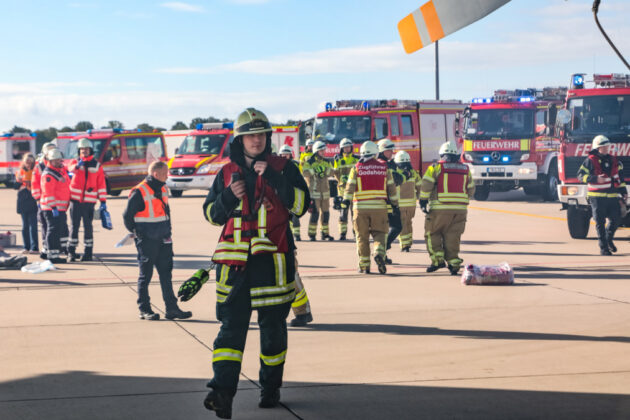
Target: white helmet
x=286 y=149
x=47 y=146
x=402 y=157
x=83 y=143
x=345 y=142
x=385 y=144
x=368 y=149
x=53 y=154
x=310 y=142
x=319 y=145
x=448 y=148
x=600 y=141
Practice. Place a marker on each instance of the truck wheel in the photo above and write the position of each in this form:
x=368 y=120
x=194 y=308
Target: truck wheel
x=482 y=192
x=532 y=190
x=177 y=193
x=115 y=193
x=550 y=189
x=579 y=221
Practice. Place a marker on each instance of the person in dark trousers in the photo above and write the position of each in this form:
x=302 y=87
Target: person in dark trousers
x=36 y=192
x=26 y=205
x=603 y=174
x=386 y=154
x=148 y=216
x=87 y=186
x=55 y=198
x=252 y=197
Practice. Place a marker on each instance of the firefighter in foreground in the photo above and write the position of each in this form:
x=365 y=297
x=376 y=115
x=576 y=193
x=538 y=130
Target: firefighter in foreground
x=252 y=197
x=447 y=187
x=148 y=216
x=316 y=171
x=55 y=197
x=36 y=191
x=370 y=187
x=86 y=188
x=386 y=154
x=603 y=174
x=409 y=193
x=344 y=162
x=301 y=307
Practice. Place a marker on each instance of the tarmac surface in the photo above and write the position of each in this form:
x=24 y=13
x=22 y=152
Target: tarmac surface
x=408 y=345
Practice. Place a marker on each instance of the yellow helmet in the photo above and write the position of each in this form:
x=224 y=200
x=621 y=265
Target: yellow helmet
x=251 y=121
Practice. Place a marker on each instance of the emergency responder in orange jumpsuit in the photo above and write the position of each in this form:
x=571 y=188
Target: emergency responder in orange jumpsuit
x=603 y=173
x=344 y=162
x=252 y=197
x=316 y=171
x=54 y=201
x=370 y=187
x=386 y=154
x=87 y=186
x=409 y=193
x=148 y=217
x=447 y=187
x=301 y=306
x=36 y=191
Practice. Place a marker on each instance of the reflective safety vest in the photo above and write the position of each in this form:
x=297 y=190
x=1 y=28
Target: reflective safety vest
x=257 y=228
x=452 y=181
x=343 y=165
x=606 y=186
x=316 y=171
x=370 y=178
x=154 y=208
x=88 y=182
x=304 y=156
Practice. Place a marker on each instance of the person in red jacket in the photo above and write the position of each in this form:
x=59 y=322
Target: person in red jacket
x=36 y=191
x=86 y=188
x=55 y=198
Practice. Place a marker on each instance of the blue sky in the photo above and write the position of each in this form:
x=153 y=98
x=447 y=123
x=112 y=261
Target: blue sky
x=163 y=61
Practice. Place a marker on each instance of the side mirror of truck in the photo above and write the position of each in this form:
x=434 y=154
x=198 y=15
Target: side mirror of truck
x=563 y=117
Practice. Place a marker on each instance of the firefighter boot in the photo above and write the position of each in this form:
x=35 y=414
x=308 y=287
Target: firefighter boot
x=342 y=237
x=87 y=254
x=297 y=238
x=220 y=403
x=312 y=238
x=453 y=269
x=269 y=398
x=380 y=263
x=611 y=246
x=72 y=254
x=327 y=237
x=432 y=268
x=364 y=270
x=301 y=320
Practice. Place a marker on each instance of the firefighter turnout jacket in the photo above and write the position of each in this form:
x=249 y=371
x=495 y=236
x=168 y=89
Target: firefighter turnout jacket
x=316 y=171
x=88 y=182
x=447 y=186
x=342 y=167
x=611 y=184
x=36 y=188
x=410 y=187
x=55 y=189
x=370 y=186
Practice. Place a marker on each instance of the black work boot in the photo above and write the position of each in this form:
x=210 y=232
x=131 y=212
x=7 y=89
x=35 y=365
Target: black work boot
x=432 y=268
x=453 y=269
x=87 y=255
x=301 y=320
x=611 y=246
x=177 y=313
x=312 y=238
x=72 y=254
x=388 y=260
x=342 y=237
x=220 y=403
x=364 y=270
x=269 y=398
x=149 y=315
x=327 y=237
x=380 y=263
x=297 y=238
x=406 y=249
x=605 y=251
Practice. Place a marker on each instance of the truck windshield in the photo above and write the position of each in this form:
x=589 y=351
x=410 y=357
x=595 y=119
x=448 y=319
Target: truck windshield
x=486 y=124
x=207 y=144
x=334 y=129
x=593 y=115
x=72 y=150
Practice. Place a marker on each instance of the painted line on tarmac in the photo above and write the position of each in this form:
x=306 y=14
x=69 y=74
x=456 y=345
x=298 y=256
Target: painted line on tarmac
x=517 y=213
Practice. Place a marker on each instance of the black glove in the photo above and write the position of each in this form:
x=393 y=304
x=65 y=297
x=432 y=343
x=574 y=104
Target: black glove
x=337 y=202
x=345 y=204
x=190 y=287
x=423 y=206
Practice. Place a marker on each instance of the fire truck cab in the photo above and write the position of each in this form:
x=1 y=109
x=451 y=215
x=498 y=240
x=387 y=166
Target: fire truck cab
x=198 y=159
x=601 y=107
x=508 y=143
x=124 y=154
x=12 y=147
x=417 y=127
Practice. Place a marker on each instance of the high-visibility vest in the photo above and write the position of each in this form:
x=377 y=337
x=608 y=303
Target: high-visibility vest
x=343 y=165
x=452 y=182
x=55 y=185
x=88 y=182
x=316 y=171
x=24 y=177
x=154 y=208
x=252 y=228
x=371 y=188
x=605 y=186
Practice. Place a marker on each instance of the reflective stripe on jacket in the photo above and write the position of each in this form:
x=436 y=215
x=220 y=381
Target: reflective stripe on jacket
x=370 y=186
x=342 y=167
x=55 y=185
x=88 y=182
x=410 y=188
x=316 y=171
x=608 y=186
x=447 y=186
x=36 y=188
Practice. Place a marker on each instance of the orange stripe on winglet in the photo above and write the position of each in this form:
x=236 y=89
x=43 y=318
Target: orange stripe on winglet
x=409 y=34
x=432 y=21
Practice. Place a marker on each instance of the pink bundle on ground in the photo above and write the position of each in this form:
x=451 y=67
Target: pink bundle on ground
x=488 y=274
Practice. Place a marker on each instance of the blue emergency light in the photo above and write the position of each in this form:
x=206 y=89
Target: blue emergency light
x=365 y=105
x=228 y=125
x=505 y=158
x=329 y=106
x=485 y=159
x=199 y=126
x=482 y=100
x=577 y=81
x=7 y=135
x=526 y=99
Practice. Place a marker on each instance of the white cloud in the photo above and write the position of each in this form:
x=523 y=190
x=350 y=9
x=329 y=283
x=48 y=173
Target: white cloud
x=183 y=7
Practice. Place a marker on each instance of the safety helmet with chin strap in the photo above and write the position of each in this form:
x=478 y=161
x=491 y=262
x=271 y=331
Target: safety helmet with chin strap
x=319 y=146
x=251 y=121
x=368 y=150
x=402 y=157
x=345 y=142
x=385 y=144
x=448 y=148
x=286 y=149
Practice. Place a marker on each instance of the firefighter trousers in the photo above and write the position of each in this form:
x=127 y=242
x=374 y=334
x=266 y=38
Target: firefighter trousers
x=443 y=230
x=343 y=219
x=406 y=234
x=301 y=305
x=56 y=234
x=43 y=225
x=366 y=223
x=81 y=212
x=395 y=226
x=155 y=253
x=295 y=225
x=319 y=205
x=606 y=208
x=234 y=315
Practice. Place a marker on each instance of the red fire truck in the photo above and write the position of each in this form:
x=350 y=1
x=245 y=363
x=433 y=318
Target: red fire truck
x=12 y=148
x=508 y=143
x=418 y=127
x=601 y=107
